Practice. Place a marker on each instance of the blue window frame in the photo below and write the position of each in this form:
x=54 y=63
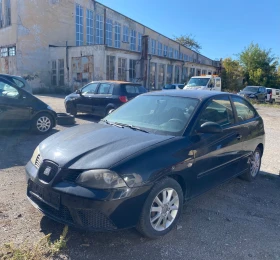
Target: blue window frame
x=140 y=41
x=89 y=27
x=133 y=40
x=125 y=33
x=99 y=39
x=117 y=35
x=159 y=49
x=79 y=25
x=109 y=32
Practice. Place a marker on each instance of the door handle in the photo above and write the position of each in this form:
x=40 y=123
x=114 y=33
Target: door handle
x=238 y=137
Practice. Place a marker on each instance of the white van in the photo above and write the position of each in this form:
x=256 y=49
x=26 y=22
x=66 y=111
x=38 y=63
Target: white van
x=206 y=82
x=273 y=95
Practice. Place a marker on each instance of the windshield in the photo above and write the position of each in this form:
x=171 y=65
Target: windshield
x=198 y=82
x=251 y=89
x=157 y=114
x=169 y=87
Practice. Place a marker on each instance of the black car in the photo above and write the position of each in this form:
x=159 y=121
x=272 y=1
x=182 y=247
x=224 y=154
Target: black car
x=21 y=110
x=173 y=86
x=254 y=92
x=137 y=166
x=99 y=97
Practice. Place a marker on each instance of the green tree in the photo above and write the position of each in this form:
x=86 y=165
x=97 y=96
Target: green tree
x=231 y=75
x=188 y=41
x=259 y=66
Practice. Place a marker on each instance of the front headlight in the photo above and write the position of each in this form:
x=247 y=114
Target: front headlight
x=100 y=179
x=35 y=155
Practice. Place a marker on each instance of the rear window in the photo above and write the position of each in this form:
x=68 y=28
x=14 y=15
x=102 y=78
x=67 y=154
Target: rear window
x=133 y=89
x=268 y=91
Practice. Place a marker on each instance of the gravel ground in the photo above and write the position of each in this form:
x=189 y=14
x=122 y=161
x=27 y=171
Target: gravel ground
x=238 y=220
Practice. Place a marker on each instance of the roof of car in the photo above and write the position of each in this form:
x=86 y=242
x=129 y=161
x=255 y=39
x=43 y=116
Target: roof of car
x=199 y=94
x=115 y=81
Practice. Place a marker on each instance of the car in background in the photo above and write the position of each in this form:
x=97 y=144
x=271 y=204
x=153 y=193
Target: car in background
x=257 y=93
x=19 y=81
x=21 y=110
x=99 y=97
x=137 y=166
x=273 y=95
x=173 y=86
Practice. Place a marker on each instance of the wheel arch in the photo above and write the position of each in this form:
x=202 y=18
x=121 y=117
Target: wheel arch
x=45 y=112
x=261 y=147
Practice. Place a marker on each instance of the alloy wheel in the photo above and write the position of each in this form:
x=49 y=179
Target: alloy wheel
x=255 y=163
x=164 y=209
x=43 y=123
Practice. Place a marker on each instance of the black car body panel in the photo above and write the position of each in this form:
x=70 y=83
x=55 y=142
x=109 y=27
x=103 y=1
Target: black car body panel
x=254 y=92
x=102 y=99
x=19 y=113
x=198 y=161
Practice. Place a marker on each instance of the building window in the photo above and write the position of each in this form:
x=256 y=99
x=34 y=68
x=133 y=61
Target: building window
x=154 y=42
x=170 y=52
x=79 y=25
x=110 y=74
x=132 y=70
x=8 y=12
x=109 y=32
x=140 y=42
x=12 y=51
x=192 y=72
x=125 y=33
x=99 y=29
x=152 y=79
x=185 y=57
x=54 y=76
x=177 y=74
x=169 y=74
x=204 y=72
x=89 y=27
x=122 y=69
x=1 y=16
x=181 y=56
x=165 y=51
x=61 y=71
x=176 y=54
x=4 y=52
x=117 y=35
x=161 y=74
x=133 y=40
x=159 y=49
x=185 y=75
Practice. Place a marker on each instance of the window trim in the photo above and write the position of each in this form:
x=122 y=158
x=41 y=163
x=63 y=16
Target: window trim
x=98 y=83
x=97 y=89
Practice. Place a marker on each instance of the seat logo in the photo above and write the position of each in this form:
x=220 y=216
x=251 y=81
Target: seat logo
x=47 y=171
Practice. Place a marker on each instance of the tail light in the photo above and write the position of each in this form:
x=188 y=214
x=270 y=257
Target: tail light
x=123 y=99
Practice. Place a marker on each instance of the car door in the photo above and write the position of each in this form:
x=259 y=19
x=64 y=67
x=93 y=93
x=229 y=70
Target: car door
x=277 y=95
x=103 y=97
x=86 y=100
x=261 y=94
x=15 y=111
x=216 y=155
x=248 y=128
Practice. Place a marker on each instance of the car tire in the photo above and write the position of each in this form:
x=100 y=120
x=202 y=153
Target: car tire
x=107 y=111
x=157 y=219
x=65 y=119
x=42 y=123
x=255 y=165
x=71 y=109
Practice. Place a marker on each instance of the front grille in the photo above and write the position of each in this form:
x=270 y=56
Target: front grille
x=38 y=161
x=47 y=171
x=69 y=175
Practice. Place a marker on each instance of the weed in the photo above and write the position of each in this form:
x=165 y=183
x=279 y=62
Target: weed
x=39 y=251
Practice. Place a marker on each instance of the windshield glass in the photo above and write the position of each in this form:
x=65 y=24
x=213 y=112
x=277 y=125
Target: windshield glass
x=251 y=89
x=157 y=114
x=169 y=87
x=197 y=82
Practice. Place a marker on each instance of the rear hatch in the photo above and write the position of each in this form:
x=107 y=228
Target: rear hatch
x=131 y=90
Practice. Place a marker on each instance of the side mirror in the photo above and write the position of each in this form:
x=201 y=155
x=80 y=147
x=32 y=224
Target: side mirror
x=210 y=128
x=111 y=110
x=78 y=91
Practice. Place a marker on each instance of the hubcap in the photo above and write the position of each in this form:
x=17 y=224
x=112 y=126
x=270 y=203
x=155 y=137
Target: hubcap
x=43 y=124
x=255 y=163
x=164 y=209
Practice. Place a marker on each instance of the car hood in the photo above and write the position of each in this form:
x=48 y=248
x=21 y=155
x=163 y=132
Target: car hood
x=95 y=146
x=195 y=88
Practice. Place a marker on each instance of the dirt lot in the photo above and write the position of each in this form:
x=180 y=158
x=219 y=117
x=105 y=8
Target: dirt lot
x=239 y=220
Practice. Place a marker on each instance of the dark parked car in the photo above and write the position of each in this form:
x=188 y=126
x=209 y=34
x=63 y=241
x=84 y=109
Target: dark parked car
x=21 y=110
x=19 y=81
x=254 y=92
x=140 y=163
x=99 y=97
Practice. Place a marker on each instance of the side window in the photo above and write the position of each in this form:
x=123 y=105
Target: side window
x=243 y=109
x=7 y=91
x=219 y=111
x=277 y=92
x=19 y=83
x=104 y=88
x=90 y=89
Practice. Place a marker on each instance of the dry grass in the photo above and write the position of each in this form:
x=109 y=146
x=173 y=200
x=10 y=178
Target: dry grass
x=43 y=249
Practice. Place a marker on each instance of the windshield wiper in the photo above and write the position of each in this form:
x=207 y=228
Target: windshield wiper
x=133 y=127
x=111 y=123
